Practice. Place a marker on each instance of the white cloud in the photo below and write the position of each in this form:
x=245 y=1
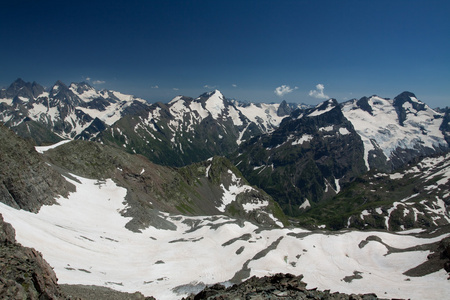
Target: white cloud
x=318 y=92
x=210 y=87
x=155 y=87
x=88 y=78
x=98 y=82
x=234 y=85
x=283 y=90
x=175 y=89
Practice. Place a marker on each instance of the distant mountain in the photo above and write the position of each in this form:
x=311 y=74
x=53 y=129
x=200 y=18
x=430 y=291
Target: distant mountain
x=62 y=112
x=316 y=151
x=301 y=156
x=102 y=216
x=395 y=131
x=183 y=131
x=188 y=130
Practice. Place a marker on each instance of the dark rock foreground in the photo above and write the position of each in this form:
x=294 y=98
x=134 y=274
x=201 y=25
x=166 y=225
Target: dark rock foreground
x=278 y=286
x=24 y=274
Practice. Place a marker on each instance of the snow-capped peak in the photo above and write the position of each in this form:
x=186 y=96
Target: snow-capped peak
x=323 y=107
x=84 y=91
x=215 y=104
x=389 y=125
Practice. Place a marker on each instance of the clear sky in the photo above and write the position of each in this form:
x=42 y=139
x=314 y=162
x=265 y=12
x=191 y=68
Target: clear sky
x=300 y=51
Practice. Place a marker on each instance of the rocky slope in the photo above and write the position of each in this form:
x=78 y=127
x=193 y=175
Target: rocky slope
x=26 y=181
x=314 y=152
x=278 y=286
x=306 y=159
x=188 y=130
x=61 y=112
x=87 y=237
x=416 y=196
x=24 y=274
x=208 y=188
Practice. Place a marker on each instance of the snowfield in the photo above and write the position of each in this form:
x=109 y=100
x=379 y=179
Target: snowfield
x=382 y=128
x=84 y=238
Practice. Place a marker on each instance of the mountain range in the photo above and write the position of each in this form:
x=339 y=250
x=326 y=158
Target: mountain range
x=300 y=155
x=103 y=182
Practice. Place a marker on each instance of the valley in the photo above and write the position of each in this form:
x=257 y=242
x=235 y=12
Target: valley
x=170 y=198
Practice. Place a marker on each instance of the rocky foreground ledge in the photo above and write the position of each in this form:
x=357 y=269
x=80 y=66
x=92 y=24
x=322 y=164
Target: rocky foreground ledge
x=278 y=286
x=24 y=274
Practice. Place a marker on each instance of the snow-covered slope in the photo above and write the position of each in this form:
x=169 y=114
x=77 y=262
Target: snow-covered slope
x=106 y=105
x=188 y=112
x=314 y=152
x=64 y=111
x=416 y=196
x=85 y=240
x=192 y=129
x=188 y=130
x=390 y=128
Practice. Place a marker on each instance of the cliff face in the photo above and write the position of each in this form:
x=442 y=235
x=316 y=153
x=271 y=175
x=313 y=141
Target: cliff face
x=26 y=181
x=24 y=274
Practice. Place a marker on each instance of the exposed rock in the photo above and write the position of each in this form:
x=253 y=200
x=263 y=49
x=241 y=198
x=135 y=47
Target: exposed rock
x=88 y=292
x=24 y=274
x=193 y=190
x=437 y=260
x=306 y=158
x=278 y=286
x=26 y=181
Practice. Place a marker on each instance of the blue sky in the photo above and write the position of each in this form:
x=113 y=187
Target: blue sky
x=300 y=51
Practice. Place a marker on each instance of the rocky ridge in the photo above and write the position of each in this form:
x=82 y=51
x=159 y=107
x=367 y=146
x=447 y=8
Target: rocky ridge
x=415 y=196
x=278 y=286
x=24 y=274
x=63 y=111
x=26 y=180
x=315 y=152
x=306 y=159
x=198 y=189
x=188 y=130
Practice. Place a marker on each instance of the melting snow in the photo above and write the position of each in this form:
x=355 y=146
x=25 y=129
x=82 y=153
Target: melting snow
x=420 y=129
x=396 y=176
x=235 y=188
x=302 y=139
x=85 y=241
x=305 y=204
x=343 y=131
x=42 y=149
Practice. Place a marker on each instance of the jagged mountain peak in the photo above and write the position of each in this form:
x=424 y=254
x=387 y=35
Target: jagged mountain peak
x=284 y=109
x=408 y=97
x=212 y=93
x=58 y=87
x=19 y=82
x=323 y=107
x=22 y=91
x=80 y=87
x=211 y=103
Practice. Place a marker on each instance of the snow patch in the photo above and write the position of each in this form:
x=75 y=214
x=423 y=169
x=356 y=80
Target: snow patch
x=305 y=204
x=42 y=149
x=86 y=232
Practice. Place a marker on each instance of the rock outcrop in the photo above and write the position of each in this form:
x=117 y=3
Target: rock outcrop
x=24 y=274
x=278 y=286
x=26 y=181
